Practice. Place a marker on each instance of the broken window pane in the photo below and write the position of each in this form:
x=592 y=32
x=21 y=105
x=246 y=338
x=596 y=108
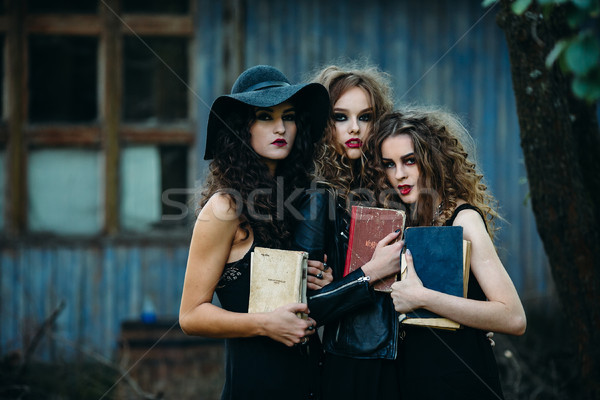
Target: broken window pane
x=174 y=163
x=155 y=79
x=62 y=78
x=65 y=191
x=153 y=187
x=140 y=187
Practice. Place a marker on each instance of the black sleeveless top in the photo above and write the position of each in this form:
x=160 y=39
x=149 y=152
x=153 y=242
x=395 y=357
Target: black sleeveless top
x=440 y=364
x=259 y=367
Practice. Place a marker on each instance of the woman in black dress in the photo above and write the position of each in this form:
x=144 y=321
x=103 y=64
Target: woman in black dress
x=419 y=154
x=360 y=337
x=260 y=138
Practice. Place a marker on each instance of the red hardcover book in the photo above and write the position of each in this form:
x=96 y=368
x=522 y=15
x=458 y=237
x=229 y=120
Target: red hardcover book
x=368 y=225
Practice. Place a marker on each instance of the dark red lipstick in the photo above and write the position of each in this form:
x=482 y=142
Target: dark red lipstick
x=404 y=189
x=354 y=143
x=280 y=142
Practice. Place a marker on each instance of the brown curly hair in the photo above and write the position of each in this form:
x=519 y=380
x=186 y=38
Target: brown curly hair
x=332 y=167
x=238 y=171
x=439 y=141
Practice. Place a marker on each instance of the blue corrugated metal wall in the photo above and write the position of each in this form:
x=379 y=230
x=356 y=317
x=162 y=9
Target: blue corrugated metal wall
x=100 y=285
x=448 y=53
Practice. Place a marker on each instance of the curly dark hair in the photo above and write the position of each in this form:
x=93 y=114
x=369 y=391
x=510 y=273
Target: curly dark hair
x=444 y=166
x=332 y=167
x=238 y=171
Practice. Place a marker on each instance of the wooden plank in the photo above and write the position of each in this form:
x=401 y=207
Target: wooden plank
x=110 y=85
x=63 y=24
x=156 y=135
x=16 y=218
x=234 y=26
x=4 y=23
x=157 y=25
x=3 y=133
x=57 y=135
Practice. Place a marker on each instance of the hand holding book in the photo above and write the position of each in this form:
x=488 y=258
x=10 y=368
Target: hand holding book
x=405 y=293
x=319 y=274
x=368 y=229
x=283 y=325
x=441 y=264
x=385 y=261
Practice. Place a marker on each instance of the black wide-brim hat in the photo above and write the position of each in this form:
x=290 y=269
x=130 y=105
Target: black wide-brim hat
x=266 y=86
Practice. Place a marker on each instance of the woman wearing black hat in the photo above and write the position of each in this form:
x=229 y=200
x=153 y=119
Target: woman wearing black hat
x=260 y=138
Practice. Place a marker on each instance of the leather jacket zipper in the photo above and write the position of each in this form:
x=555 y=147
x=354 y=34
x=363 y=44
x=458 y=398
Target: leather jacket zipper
x=359 y=280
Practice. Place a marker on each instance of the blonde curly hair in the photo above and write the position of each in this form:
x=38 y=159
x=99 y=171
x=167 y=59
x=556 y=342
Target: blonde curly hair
x=331 y=166
x=440 y=144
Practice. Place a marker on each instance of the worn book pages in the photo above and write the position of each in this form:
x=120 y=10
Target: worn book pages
x=368 y=225
x=442 y=262
x=277 y=277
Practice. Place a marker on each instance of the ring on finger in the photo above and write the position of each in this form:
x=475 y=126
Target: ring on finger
x=325 y=266
x=320 y=275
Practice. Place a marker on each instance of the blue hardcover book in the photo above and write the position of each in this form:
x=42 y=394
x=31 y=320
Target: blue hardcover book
x=441 y=258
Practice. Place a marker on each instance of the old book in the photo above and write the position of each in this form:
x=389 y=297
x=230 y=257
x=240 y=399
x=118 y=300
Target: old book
x=277 y=277
x=442 y=261
x=368 y=225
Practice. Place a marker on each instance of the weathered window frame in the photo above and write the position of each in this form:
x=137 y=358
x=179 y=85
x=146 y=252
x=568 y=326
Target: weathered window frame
x=109 y=134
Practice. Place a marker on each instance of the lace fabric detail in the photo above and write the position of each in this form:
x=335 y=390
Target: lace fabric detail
x=230 y=274
x=234 y=270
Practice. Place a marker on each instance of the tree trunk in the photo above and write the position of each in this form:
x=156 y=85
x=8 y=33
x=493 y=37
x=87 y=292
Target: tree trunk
x=561 y=146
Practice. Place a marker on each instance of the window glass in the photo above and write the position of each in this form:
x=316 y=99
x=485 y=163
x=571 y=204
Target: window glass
x=65 y=194
x=62 y=78
x=174 y=163
x=2 y=187
x=156 y=6
x=155 y=76
x=140 y=187
x=2 y=112
x=62 y=6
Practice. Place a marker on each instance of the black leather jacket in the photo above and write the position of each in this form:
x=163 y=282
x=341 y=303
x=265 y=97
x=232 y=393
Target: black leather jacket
x=359 y=322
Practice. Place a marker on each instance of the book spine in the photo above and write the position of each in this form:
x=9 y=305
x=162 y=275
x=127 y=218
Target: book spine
x=350 y=240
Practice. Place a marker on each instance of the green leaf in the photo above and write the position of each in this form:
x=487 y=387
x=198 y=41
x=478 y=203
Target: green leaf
x=576 y=17
x=583 y=4
x=487 y=3
x=586 y=88
x=595 y=10
x=559 y=47
x=579 y=87
x=562 y=63
x=519 y=6
x=583 y=54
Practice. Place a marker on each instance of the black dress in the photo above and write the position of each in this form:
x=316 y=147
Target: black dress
x=360 y=338
x=440 y=364
x=259 y=367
